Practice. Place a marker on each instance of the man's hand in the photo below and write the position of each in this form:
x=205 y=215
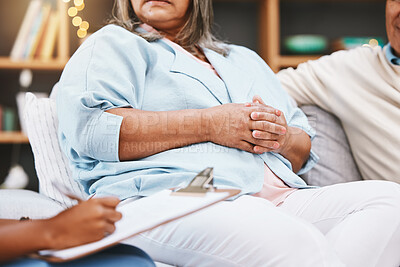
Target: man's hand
x=231 y=125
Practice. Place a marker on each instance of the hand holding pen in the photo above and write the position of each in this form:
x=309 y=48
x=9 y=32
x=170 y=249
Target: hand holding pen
x=88 y=221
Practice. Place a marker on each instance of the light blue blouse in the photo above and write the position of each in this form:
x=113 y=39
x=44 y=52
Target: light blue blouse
x=116 y=68
x=391 y=56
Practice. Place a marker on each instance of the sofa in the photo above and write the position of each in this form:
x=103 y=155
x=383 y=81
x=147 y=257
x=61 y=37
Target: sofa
x=336 y=163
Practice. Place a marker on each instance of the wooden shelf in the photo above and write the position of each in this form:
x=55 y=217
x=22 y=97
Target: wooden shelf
x=269 y=28
x=6 y=63
x=290 y=61
x=13 y=138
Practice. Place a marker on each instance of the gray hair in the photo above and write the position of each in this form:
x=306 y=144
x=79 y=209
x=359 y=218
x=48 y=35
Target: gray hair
x=196 y=31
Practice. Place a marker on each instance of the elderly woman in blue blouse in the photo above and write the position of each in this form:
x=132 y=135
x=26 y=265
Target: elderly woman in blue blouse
x=154 y=98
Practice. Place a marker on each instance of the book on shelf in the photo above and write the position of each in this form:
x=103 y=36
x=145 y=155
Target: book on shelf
x=33 y=34
x=23 y=33
x=9 y=119
x=42 y=34
x=37 y=35
x=50 y=37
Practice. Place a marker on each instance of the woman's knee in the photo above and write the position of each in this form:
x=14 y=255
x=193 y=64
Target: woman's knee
x=271 y=237
x=300 y=243
x=386 y=191
x=382 y=198
x=362 y=194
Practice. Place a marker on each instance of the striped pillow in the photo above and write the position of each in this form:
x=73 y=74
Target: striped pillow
x=50 y=162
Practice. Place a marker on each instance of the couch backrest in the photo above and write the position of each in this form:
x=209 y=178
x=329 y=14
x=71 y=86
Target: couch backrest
x=336 y=163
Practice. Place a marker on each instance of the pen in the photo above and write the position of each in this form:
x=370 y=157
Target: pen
x=67 y=192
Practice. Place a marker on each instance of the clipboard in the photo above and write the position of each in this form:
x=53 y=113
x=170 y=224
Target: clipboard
x=144 y=214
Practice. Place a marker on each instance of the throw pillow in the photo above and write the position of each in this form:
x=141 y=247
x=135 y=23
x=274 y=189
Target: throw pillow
x=50 y=162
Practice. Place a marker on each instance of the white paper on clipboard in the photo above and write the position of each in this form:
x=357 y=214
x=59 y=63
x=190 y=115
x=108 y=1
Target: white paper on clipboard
x=141 y=215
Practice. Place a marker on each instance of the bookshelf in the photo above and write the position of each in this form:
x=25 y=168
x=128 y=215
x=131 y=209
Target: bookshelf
x=269 y=35
x=54 y=64
x=63 y=52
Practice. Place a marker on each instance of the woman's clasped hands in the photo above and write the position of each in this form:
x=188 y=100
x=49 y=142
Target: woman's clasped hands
x=252 y=127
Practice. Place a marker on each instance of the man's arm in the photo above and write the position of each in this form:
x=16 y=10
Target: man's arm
x=309 y=84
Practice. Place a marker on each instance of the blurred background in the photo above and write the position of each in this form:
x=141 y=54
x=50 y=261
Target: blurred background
x=284 y=32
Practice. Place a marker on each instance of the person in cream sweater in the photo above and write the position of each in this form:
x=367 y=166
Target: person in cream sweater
x=362 y=88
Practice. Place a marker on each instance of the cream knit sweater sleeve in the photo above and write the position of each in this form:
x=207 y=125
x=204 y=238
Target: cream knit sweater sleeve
x=324 y=81
x=362 y=89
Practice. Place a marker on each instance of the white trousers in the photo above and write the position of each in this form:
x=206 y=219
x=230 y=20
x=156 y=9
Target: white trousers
x=354 y=224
